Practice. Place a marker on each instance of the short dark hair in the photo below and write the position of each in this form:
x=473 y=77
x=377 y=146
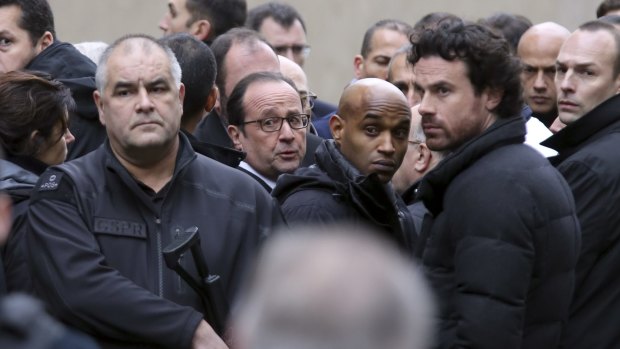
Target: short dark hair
x=509 y=25
x=31 y=101
x=487 y=57
x=222 y=14
x=606 y=6
x=390 y=24
x=220 y=48
x=36 y=19
x=599 y=25
x=432 y=19
x=283 y=14
x=236 y=115
x=198 y=69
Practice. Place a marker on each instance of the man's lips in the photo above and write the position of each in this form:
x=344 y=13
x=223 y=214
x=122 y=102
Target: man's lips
x=540 y=99
x=384 y=166
x=567 y=105
x=288 y=154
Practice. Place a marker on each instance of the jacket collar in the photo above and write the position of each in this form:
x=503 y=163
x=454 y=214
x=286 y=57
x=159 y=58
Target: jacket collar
x=185 y=156
x=603 y=119
x=503 y=132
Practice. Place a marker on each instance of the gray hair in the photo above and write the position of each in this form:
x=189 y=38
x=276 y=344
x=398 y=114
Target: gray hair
x=147 y=42
x=336 y=287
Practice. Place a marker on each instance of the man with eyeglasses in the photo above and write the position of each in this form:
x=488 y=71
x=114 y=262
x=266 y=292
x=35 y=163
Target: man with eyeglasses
x=267 y=121
x=350 y=182
x=284 y=28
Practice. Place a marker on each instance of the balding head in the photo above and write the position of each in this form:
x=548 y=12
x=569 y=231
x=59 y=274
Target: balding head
x=372 y=126
x=538 y=50
x=293 y=71
x=129 y=45
x=342 y=289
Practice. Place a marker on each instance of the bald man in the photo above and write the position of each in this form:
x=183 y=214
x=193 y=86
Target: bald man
x=400 y=74
x=418 y=160
x=336 y=289
x=538 y=49
x=351 y=179
x=293 y=71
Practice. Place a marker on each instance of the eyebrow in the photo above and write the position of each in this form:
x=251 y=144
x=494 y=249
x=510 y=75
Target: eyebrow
x=371 y=117
x=433 y=85
x=126 y=84
x=578 y=65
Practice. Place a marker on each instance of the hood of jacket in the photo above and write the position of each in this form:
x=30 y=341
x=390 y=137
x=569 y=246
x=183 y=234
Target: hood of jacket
x=66 y=64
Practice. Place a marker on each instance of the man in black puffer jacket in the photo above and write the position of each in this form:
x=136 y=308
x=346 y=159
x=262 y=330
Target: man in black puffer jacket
x=351 y=179
x=589 y=160
x=503 y=244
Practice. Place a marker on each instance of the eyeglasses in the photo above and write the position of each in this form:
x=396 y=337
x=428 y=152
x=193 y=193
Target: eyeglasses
x=274 y=124
x=308 y=98
x=296 y=49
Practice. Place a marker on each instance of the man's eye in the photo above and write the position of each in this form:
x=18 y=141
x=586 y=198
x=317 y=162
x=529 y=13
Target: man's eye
x=270 y=122
x=401 y=133
x=371 y=130
x=5 y=42
x=529 y=70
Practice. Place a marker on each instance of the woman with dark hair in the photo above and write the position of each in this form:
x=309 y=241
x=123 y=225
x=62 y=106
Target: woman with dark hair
x=34 y=134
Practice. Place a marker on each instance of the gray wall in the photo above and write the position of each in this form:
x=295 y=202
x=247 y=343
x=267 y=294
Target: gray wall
x=335 y=27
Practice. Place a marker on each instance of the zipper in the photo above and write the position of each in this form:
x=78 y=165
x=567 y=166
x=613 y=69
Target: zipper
x=160 y=258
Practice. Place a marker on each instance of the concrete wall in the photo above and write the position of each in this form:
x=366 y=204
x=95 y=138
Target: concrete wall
x=335 y=27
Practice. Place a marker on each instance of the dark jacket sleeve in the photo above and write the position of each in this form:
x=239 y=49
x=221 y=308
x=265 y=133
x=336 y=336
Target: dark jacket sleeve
x=589 y=190
x=71 y=275
x=493 y=259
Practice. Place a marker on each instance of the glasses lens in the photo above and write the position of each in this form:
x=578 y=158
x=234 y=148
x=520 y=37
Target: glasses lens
x=271 y=124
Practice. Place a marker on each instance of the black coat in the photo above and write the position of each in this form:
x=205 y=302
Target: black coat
x=333 y=191
x=589 y=159
x=96 y=237
x=18 y=176
x=501 y=251
x=66 y=64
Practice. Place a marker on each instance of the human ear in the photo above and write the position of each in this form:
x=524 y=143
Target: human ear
x=358 y=66
x=336 y=126
x=423 y=160
x=211 y=99
x=494 y=98
x=201 y=29
x=235 y=134
x=44 y=42
x=99 y=104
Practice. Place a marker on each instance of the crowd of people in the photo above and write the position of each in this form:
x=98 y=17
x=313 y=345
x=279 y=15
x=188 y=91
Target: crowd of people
x=191 y=191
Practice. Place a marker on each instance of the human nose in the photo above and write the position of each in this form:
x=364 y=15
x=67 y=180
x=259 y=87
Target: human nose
x=425 y=106
x=539 y=81
x=287 y=133
x=163 y=24
x=69 y=138
x=412 y=97
x=566 y=83
x=387 y=145
x=144 y=103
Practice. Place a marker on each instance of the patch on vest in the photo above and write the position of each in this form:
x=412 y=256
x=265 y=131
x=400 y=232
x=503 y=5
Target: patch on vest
x=120 y=228
x=50 y=181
